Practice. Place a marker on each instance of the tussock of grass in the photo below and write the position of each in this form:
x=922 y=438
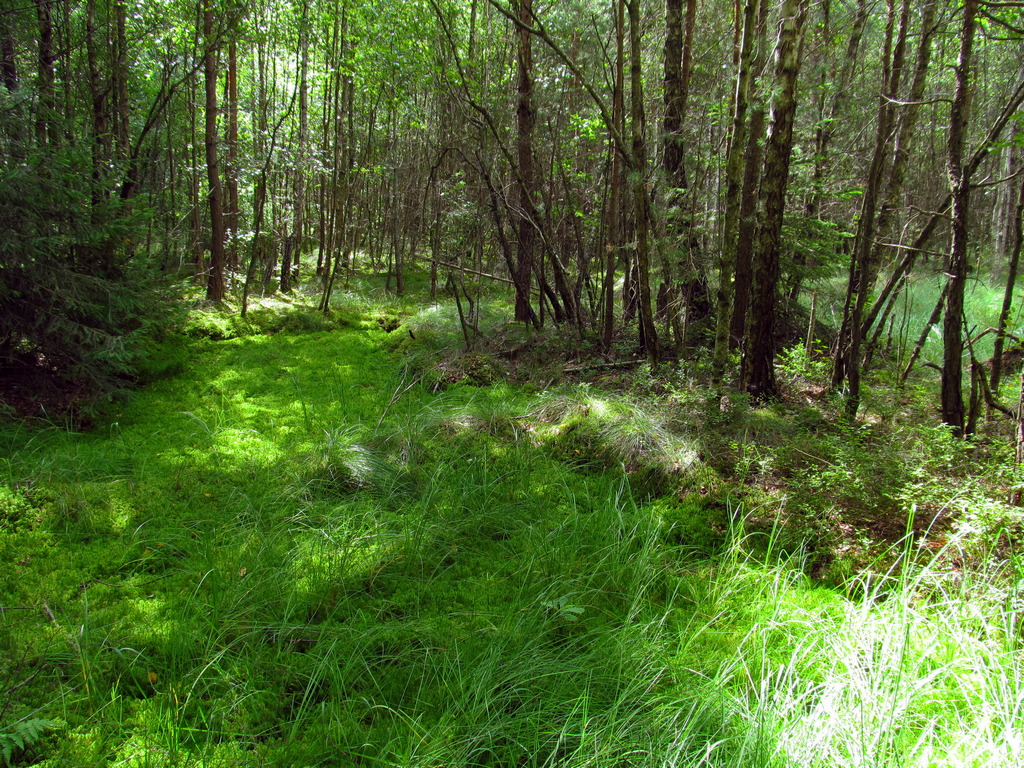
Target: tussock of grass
x=617 y=432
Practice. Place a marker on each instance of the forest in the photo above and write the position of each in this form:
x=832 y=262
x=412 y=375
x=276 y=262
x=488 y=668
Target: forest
x=505 y=383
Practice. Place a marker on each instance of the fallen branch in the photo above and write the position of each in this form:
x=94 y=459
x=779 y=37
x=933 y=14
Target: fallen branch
x=446 y=265
x=594 y=366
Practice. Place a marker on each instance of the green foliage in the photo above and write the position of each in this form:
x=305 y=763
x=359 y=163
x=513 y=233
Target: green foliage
x=23 y=734
x=217 y=325
x=797 y=364
x=16 y=510
x=696 y=525
x=608 y=432
x=75 y=300
x=815 y=248
x=297 y=319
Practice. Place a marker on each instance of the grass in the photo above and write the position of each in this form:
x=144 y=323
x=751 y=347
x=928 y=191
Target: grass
x=296 y=550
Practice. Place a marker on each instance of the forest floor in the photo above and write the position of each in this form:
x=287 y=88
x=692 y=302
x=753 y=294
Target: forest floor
x=350 y=541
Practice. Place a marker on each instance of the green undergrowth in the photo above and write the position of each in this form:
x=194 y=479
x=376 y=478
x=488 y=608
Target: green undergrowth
x=299 y=550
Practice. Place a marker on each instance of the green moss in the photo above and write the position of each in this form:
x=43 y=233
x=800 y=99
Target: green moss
x=696 y=525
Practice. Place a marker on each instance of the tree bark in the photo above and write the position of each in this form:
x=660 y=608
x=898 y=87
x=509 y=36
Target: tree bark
x=734 y=181
x=8 y=54
x=956 y=266
x=752 y=167
x=760 y=357
x=614 y=215
x=291 y=261
x=641 y=200
x=677 y=65
x=1016 y=238
x=830 y=94
x=847 y=362
x=231 y=159
x=905 y=132
x=215 y=285
x=46 y=113
x=98 y=91
x=1011 y=106
x=525 y=121
x=119 y=82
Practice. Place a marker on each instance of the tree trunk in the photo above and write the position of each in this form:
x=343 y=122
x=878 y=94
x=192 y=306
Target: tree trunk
x=734 y=181
x=641 y=201
x=8 y=55
x=752 y=166
x=1011 y=106
x=98 y=91
x=46 y=113
x=614 y=221
x=231 y=160
x=119 y=81
x=847 y=363
x=525 y=120
x=827 y=122
x=1002 y=212
x=925 y=332
x=677 y=67
x=956 y=266
x=1015 y=241
x=905 y=132
x=299 y=187
x=760 y=357
x=675 y=97
x=215 y=287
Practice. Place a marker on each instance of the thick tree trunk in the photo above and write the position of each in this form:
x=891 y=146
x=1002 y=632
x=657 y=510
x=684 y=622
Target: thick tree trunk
x=676 y=86
x=760 y=357
x=752 y=167
x=733 y=181
x=678 y=243
x=956 y=266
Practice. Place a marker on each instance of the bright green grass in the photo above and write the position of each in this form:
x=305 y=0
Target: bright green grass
x=982 y=304
x=274 y=559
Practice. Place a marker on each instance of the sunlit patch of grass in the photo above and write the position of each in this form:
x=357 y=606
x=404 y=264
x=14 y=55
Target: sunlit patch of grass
x=893 y=677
